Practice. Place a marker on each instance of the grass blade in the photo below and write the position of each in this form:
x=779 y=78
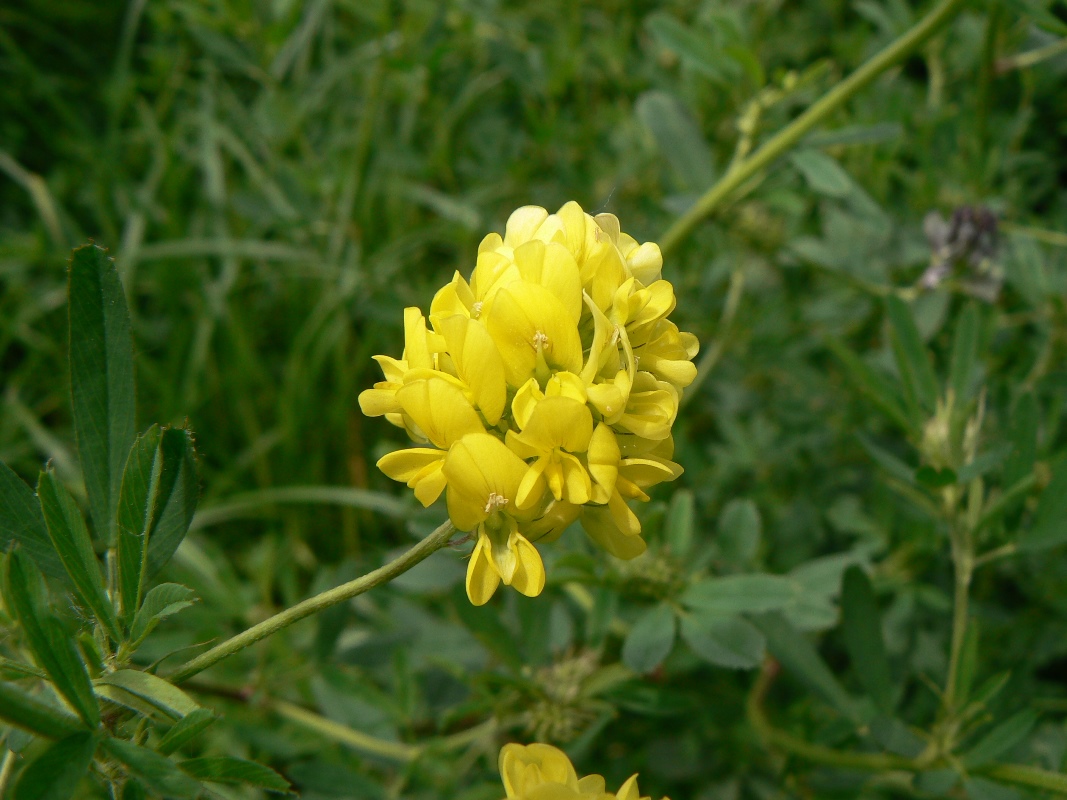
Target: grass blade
x=27 y=712
x=913 y=360
x=862 y=623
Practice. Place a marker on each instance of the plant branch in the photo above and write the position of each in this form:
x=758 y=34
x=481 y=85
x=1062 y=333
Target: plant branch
x=1017 y=774
x=313 y=605
x=785 y=139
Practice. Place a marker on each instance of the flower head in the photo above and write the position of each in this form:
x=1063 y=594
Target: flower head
x=540 y=392
x=541 y=772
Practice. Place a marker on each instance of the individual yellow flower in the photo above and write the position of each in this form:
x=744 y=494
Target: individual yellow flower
x=542 y=772
x=483 y=481
x=541 y=392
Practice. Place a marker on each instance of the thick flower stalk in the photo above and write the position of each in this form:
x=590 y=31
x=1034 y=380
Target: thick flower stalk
x=540 y=392
x=541 y=772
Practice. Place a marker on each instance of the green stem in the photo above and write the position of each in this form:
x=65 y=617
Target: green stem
x=963 y=563
x=1017 y=774
x=1032 y=57
x=781 y=142
x=372 y=745
x=313 y=605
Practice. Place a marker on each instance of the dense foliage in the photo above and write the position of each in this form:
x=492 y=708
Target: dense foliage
x=877 y=412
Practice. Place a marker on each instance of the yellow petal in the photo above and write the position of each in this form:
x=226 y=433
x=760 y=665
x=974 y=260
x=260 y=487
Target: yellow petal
x=553 y=521
x=623 y=517
x=553 y=267
x=576 y=484
x=532 y=488
x=478 y=363
x=377 y=402
x=552 y=764
x=603 y=458
x=524 y=402
x=453 y=298
x=591 y=784
x=629 y=791
x=526 y=317
x=403 y=465
x=529 y=575
x=645 y=262
x=478 y=466
x=559 y=422
x=440 y=410
x=523 y=224
x=416 y=346
x=482 y=577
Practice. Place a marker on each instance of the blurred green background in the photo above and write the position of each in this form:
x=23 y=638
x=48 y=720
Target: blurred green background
x=277 y=180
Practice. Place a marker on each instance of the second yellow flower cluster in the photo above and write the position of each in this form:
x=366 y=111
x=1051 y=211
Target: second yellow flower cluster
x=544 y=391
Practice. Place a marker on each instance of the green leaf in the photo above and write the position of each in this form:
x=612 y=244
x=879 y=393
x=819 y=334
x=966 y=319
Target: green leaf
x=887 y=461
x=1023 y=435
x=739 y=531
x=27 y=712
x=185 y=730
x=52 y=647
x=798 y=656
x=650 y=639
x=138 y=497
x=697 y=50
x=101 y=379
x=862 y=628
x=680 y=522
x=1049 y=528
x=21 y=522
x=875 y=387
x=1001 y=739
x=731 y=642
x=984 y=789
x=162 y=601
x=160 y=694
x=159 y=774
x=224 y=769
x=964 y=353
x=177 y=495
x=736 y=594
x=823 y=174
x=70 y=537
x=984 y=463
x=913 y=360
x=56 y=773
x=935 y=478
x=678 y=137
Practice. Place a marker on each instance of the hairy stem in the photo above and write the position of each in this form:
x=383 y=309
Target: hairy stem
x=313 y=605
x=785 y=139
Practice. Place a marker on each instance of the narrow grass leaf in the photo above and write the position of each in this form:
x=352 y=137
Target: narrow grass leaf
x=887 y=461
x=101 y=379
x=56 y=773
x=52 y=647
x=225 y=769
x=21 y=522
x=862 y=628
x=798 y=656
x=161 y=601
x=159 y=774
x=22 y=709
x=731 y=642
x=161 y=694
x=1001 y=739
x=1049 y=528
x=962 y=367
x=137 y=504
x=176 y=497
x=185 y=730
x=650 y=639
x=71 y=540
x=913 y=360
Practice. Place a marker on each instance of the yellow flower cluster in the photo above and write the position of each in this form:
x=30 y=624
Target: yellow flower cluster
x=541 y=772
x=544 y=391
